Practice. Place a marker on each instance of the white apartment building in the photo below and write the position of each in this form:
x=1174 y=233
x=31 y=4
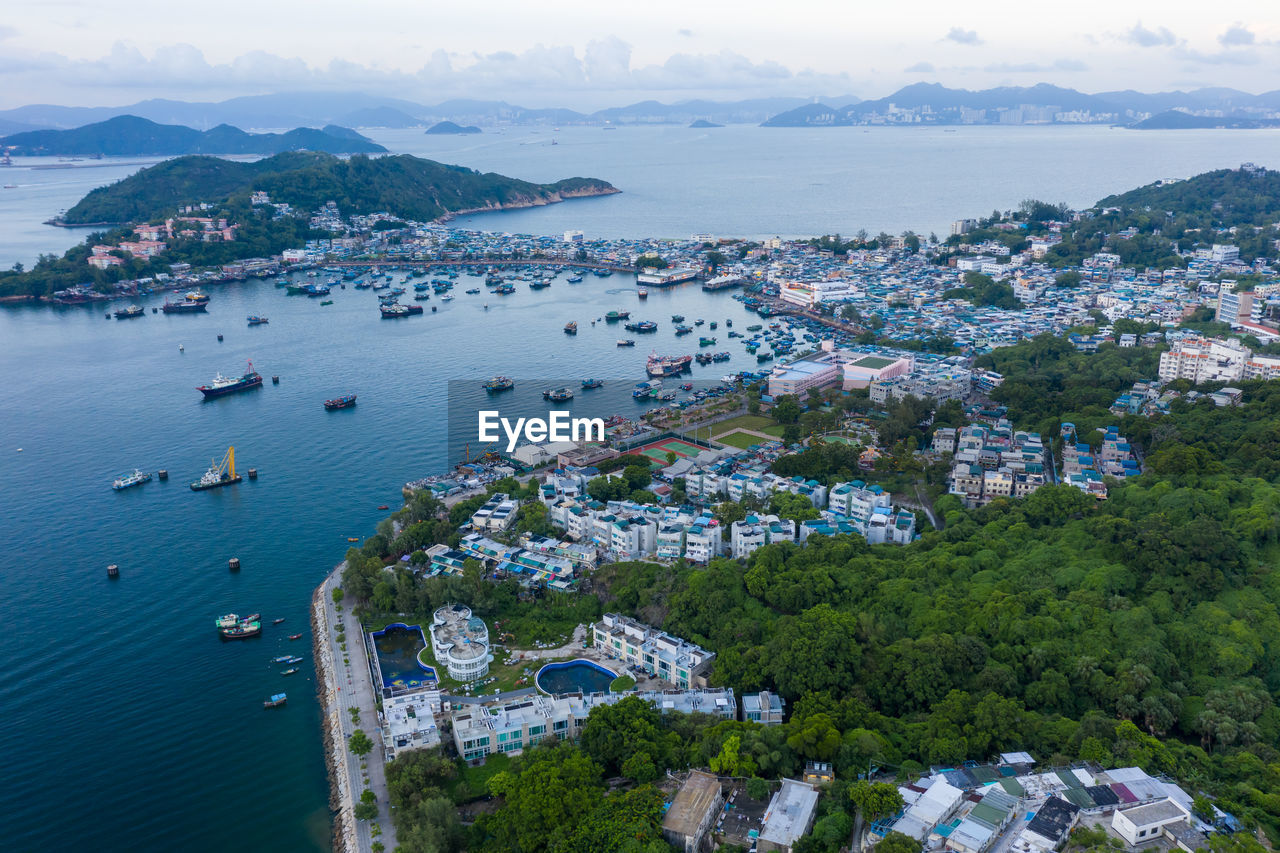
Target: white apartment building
x=1203 y=360
x=670 y=658
x=754 y=532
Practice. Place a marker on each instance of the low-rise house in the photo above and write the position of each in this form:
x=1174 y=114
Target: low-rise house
x=670 y=658
x=789 y=817
x=693 y=811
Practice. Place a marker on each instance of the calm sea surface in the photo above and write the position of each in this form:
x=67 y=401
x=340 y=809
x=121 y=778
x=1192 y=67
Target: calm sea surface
x=740 y=180
x=129 y=725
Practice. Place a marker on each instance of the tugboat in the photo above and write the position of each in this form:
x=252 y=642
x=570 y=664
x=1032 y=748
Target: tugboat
x=256 y=320
x=131 y=311
x=137 y=478
x=571 y=328
x=276 y=700
x=226 y=385
x=499 y=383
x=588 y=384
x=219 y=474
x=558 y=395
x=346 y=401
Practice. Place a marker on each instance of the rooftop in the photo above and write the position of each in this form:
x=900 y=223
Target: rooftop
x=697 y=796
x=1157 y=812
x=789 y=812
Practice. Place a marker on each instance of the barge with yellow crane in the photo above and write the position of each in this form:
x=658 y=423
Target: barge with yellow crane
x=219 y=474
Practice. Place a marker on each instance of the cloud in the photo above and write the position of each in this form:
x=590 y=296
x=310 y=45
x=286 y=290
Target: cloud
x=962 y=36
x=1234 y=56
x=920 y=68
x=685 y=33
x=555 y=74
x=1235 y=36
x=1143 y=37
x=1036 y=67
x=7 y=32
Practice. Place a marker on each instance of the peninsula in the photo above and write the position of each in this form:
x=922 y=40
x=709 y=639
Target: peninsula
x=130 y=136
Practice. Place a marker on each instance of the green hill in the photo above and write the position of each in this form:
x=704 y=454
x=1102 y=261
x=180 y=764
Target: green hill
x=410 y=187
x=446 y=128
x=130 y=136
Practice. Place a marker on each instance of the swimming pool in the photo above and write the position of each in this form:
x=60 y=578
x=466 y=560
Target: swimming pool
x=573 y=676
x=399 y=649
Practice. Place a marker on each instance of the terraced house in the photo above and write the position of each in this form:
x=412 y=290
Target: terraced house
x=656 y=652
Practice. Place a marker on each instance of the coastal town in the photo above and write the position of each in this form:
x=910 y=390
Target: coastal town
x=503 y=612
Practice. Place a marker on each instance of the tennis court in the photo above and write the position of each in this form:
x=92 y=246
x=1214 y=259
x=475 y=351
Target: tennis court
x=658 y=450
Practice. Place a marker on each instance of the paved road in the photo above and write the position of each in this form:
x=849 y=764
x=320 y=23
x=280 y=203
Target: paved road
x=355 y=690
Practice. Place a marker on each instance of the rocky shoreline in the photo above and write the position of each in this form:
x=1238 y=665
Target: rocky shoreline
x=341 y=802
x=553 y=198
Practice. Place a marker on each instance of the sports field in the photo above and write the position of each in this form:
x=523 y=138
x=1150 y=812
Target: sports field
x=658 y=450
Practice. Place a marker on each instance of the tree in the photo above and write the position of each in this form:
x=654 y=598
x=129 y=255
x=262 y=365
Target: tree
x=871 y=801
x=1202 y=807
x=360 y=743
x=337 y=595
x=757 y=788
x=786 y=409
x=366 y=811
x=897 y=842
x=815 y=738
x=731 y=761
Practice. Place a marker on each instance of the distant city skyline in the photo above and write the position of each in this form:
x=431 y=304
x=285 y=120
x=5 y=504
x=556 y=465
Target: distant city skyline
x=587 y=56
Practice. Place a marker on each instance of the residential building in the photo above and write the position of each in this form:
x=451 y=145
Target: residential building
x=483 y=728
x=693 y=811
x=460 y=642
x=765 y=708
x=670 y=658
x=1203 y=360
x=496 y=515
x=1147 y=822
x=755 y=531
x=789 y=816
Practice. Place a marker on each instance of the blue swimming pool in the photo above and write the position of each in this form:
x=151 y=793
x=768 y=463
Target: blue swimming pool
x=573 y=676
x=399 y=646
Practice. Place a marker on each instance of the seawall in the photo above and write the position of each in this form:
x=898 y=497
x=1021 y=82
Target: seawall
x=341 y=801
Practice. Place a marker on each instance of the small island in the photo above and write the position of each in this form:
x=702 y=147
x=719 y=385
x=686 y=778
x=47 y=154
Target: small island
x=448 y=128
x=702 y=122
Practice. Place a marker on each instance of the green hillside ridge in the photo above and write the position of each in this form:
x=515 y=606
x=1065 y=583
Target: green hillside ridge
x=407 y=186
x=130 y=136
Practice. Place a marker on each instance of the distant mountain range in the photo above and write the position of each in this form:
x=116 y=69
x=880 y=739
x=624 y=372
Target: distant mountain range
x=131 y=136
x=920 y=103
x=931 y=103
x=348 y=109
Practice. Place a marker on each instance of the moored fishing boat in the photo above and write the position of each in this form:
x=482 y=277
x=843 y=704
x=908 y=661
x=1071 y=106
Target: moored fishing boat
x=499 y=383
x=131 y=311
x=276 y=701
x=257 y=320
x=558 y=395
x=626 y=343
x=346 y=401
x=571 y=328
x=227 y=385
x=588 y=384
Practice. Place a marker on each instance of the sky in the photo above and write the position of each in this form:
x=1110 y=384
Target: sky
x=589 y=55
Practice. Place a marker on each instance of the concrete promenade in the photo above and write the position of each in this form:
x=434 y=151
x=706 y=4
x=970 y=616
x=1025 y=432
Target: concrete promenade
x=347 y=685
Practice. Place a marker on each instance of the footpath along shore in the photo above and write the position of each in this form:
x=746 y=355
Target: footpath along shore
x=336 y=757
x=346 y=683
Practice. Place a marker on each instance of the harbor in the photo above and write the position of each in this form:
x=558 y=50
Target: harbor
x=172 y=544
